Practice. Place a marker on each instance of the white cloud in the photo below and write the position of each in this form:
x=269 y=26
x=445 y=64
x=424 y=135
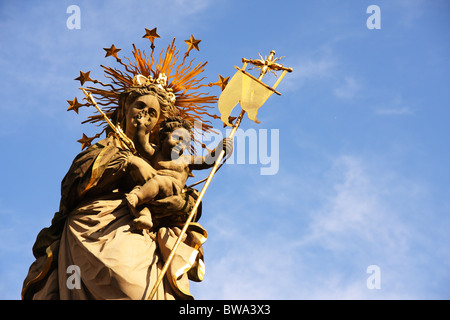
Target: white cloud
x=328 y=70
x=315 y=68
x=310 y=68
x=393 y=111
x=190 y=6
x=348 y=89
x=395 y=107
x=359 y=209
x=369 y=215
x=410 y=11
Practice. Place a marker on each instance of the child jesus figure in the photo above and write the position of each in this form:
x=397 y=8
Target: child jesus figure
x=171 y=165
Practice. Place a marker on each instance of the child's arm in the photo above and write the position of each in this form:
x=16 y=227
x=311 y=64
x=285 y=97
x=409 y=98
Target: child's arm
x=205 y=162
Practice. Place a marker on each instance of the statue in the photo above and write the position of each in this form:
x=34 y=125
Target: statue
x=127 y=222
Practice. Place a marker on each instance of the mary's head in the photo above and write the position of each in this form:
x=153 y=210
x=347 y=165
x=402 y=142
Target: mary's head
x=150 y=99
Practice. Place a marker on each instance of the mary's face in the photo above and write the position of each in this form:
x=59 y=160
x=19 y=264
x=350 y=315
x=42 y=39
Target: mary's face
x=146 y=106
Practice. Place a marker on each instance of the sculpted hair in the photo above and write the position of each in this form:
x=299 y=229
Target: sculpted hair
x=171 y=123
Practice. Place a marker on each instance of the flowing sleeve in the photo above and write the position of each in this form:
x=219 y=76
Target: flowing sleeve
x=96 y=171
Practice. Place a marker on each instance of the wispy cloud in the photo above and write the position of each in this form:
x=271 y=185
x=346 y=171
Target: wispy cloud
x=395 y=107
x=410 y=11
x=315 y=68
x=327 y=69
x=348 y=89
x=310 y=68
x=363 y=219
x=394 y=111
x=190 y=6
x=356 y=208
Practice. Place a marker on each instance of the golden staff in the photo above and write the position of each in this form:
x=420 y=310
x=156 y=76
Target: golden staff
x=264 y=65
x=118 y=132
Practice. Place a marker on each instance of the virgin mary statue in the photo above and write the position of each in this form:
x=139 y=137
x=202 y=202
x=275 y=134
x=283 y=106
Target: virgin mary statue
x=91 y=249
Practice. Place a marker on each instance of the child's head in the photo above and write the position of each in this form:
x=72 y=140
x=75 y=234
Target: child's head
x=178 y=130
x=170 y=124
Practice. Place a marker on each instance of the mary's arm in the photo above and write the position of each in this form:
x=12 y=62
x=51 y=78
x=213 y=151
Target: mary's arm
x=97 y=171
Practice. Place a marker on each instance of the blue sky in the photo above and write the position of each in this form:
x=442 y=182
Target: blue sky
x=363 y=139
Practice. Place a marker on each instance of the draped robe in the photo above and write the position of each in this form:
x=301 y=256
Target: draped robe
x=91 y=249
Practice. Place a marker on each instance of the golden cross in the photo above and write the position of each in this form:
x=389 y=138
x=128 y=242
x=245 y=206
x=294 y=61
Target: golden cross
x=268 y=64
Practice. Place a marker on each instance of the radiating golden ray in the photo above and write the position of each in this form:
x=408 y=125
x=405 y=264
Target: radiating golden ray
x=184 y=79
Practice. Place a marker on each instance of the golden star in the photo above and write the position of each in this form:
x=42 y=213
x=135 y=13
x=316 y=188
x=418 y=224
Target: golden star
x=74 y=105
x=85 y=141
x=84 y=76
x=112 y=51
x=222 y=83
x=151 y=35
x=193 y=44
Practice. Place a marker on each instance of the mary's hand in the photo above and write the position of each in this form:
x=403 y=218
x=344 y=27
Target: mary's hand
x=143 y=119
